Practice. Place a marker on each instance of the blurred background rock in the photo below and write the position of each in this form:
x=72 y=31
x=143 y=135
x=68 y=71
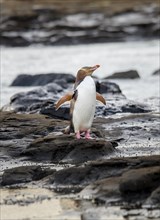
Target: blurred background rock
x=54 y=22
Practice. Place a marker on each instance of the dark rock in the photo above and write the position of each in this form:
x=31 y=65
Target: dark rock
x=24 y=174
x=139 y=183
x=39 y=101
x=121 y=106
x=61 y=113
x=105 y=170
x=135 y=108
x=133 y=186
x=66 y=149
x=85 y=151
x=23 y=102
x=13 y=41
x=19 y=130
x=107 y=87
x=54 y=87
x=131 y=74
x=36 y=107
x=34 y=100
x=41 y=79
x=157 y=72
x=107 y=110
x=89 y=173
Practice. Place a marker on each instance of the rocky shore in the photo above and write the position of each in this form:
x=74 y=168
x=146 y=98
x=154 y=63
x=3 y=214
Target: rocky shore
x=78 y=22
x=115 y=174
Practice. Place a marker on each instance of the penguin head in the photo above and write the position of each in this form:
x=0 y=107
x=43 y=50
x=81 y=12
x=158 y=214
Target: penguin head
x=85 y=71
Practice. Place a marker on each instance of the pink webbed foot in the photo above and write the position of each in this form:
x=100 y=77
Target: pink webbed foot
x=87 y=135
x=78 y=136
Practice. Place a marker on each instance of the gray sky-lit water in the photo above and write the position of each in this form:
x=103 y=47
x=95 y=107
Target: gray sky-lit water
x=113 y=57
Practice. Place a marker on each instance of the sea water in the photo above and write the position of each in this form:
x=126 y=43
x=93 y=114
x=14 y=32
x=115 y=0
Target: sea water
x=142 y=56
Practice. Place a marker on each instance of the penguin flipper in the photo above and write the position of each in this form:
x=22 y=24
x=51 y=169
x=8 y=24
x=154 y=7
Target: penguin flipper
x=64 y=99
x=100 y=98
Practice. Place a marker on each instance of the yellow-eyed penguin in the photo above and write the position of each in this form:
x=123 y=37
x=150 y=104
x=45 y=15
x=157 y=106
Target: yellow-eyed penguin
x=83 y=102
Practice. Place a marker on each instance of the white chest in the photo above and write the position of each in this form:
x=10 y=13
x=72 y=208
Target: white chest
x=84 y=108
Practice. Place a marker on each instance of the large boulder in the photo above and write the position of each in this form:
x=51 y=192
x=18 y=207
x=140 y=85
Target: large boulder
x=107 y=87
x=66 y=149
x=41 y=79
x=131 y=74
x=36 y=99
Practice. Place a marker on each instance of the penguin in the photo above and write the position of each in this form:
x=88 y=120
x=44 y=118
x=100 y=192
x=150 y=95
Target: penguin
x=82 y=102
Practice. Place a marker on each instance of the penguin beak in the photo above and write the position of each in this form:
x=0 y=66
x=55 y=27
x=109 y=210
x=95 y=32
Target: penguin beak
x=94 y=68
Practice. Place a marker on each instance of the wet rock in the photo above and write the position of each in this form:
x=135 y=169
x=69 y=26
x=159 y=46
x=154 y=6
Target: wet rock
x=41 y=79
x=157 y=72
x=135 y=183
x=19 y=130
x=133 y=186
x=13 y=41
x=121 y=106
x=89 y=173
x=66 y=149
x=23 y=101
x=24 y=174
x=88 y=151
x=61 y=113
x=103 y=170
x=107 y=87
x=35 y=100
x=135 y=108
x=131 y=74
